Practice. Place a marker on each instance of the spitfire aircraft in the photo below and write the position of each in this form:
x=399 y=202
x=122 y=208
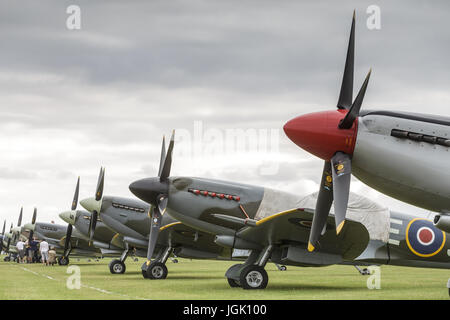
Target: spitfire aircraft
x=95 y=231
x=56 y=236
x=276 y=226
x=10 y=239
x=131 y=224
x=404 y=155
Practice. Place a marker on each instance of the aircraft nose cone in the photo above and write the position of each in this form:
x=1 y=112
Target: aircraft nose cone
x=68 y=216
x=319 y=133
x=29 y=226
x=148 y=189
x=17 y=229
x=90 y=204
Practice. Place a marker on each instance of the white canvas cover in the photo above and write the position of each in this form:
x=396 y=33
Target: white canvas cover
x=372 y=215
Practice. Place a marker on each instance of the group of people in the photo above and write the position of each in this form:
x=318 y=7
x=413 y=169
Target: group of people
x=28 y=252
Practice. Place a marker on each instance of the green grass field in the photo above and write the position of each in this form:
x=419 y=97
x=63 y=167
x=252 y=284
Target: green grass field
x=195 y=279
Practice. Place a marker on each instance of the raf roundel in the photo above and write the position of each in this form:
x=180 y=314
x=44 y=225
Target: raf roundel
x=423 y=238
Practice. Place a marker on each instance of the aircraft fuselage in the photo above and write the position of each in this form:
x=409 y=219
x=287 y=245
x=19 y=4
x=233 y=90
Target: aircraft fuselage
x=405 y=156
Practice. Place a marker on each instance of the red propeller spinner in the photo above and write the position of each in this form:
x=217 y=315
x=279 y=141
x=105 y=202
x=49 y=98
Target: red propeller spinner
x=319 y=133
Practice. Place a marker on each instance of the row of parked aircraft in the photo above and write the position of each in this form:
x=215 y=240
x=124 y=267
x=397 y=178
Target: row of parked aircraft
x=403 y=155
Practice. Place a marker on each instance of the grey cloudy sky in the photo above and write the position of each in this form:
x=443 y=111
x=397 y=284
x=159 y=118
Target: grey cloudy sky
x=73 y=100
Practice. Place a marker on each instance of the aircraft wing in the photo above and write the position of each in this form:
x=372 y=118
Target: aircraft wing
x=293 y=227
x=178 y=234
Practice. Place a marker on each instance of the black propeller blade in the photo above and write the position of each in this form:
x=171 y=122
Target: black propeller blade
x=67 y=244
x=15 y=234
x=341 y=165
x=3 y=236
x=353 y=113
x=346 y=94
x=157 y=211
x=323 y=205
x=67 y=240
x=163 y=156
x=165 y=170
x=75 y=196
x=100 y=183
x=9 y=239
x=33 y=221
x=98 y=197
x=335 y=184
x=20 y=217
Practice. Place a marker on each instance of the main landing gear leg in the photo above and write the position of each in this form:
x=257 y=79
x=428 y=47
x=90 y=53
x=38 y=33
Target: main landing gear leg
x=251 y=274
x=64 y=259
x=157 y=269
x=118 y=266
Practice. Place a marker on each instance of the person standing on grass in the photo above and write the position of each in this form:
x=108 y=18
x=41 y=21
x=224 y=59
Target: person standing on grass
x=20 y=245
x=43 y=248
x=27 y=251
x=31 y=251
x=51 y=256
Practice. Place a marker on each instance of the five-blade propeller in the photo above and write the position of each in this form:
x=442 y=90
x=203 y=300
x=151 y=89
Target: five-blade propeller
x=98 y=199
x=67 y=243
x=158 y=209
x=335 y=184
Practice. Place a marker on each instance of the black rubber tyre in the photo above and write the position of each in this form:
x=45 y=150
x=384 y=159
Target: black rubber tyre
x=63 y=261
x=283 y=268
x=157 y=271
x=7 y=259
x=253 y=277
x=233 y=283
x=117 y=267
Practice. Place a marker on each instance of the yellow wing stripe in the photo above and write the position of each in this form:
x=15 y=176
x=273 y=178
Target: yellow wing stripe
x=339 y=227
x=276 y=215
x=114 y=237
x=169 y=225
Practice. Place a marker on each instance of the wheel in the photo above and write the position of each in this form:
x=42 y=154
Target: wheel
x=117 y=267
x=283 y=268
x=233 y=283
x=366 y=272
x=175 y=260
x=63 y=261
x=7 y=259
x=253 y=277
x=156 y=270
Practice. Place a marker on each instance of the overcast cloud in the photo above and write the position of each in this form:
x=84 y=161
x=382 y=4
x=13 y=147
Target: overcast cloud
x=74 y=100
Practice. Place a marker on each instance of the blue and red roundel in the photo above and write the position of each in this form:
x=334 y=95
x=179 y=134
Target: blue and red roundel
x=423 y=238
